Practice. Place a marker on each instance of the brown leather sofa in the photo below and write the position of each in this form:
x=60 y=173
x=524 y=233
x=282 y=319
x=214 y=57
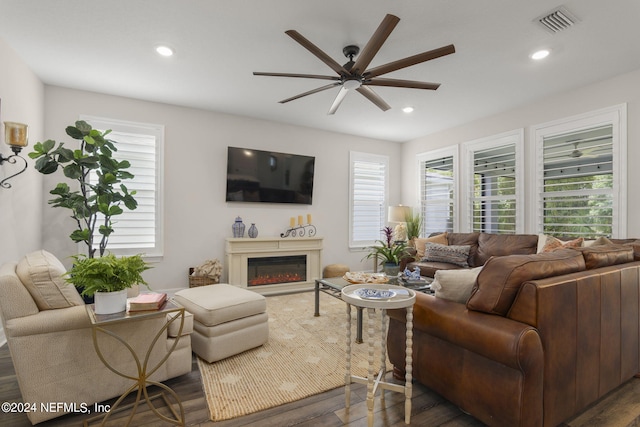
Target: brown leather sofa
x=541 y=337
x=483 y=247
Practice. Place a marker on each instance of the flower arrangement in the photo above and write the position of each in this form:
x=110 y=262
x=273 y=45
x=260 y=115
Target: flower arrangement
x=388 y=251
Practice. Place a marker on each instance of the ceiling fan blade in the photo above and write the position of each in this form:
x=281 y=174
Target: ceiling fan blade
x=409 y=61
x=317 y=52
x=401 y=83
x=311 y=92
x=304 y=76
x=373 y=97
x=336 y=102
x=375 y=43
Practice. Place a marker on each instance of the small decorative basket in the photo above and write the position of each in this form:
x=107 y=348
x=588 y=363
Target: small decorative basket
x=206 y=274
x=195 y=281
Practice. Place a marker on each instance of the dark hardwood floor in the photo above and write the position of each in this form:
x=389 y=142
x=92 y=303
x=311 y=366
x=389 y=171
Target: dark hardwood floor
x=620 y=408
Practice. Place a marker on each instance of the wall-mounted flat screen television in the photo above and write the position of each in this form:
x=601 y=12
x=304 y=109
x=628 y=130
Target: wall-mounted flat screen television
x=268 y=176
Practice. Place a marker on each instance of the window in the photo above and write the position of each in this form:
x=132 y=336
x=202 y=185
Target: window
x=140 y=230
x=582 y=176
x=368 y=175
x=494 y=186
x=438 y=191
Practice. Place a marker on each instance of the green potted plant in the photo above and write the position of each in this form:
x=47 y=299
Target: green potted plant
x=96 y=198
x=414 y=226
x=107 y=278
x=388 y=253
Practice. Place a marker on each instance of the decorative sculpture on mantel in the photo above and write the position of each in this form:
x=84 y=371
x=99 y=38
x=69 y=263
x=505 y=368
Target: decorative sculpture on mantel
x=301 y=229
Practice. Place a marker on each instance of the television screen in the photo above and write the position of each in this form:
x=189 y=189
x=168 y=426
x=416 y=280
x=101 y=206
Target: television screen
x=267 y=176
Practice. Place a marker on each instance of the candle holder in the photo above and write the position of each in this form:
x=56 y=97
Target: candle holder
x=16 y=138
x=300 y=230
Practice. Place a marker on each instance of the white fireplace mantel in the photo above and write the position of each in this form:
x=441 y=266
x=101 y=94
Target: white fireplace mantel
x=239 y=250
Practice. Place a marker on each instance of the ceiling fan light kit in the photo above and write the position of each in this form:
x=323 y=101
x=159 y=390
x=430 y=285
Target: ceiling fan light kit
x=355 y=75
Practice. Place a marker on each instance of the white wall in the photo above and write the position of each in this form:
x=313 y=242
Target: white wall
x=22 y=95
x=197 y=218
x=618 y=90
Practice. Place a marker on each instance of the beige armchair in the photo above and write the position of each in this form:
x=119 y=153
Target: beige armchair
x=49 y=336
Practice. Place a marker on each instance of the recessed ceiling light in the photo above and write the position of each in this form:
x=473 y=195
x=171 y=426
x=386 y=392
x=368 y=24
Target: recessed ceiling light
x=164 y=50
x=540 y=54
x=407 y=110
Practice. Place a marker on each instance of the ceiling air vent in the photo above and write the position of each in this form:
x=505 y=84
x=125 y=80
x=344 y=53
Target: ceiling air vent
x=557 y=20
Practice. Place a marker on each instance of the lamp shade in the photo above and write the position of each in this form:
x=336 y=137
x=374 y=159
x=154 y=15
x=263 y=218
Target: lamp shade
x=398 y=213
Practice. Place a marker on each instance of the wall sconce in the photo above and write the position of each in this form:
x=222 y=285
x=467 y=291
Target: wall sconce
x=15 y=135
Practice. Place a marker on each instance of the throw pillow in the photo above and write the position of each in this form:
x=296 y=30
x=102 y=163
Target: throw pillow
x=600 y=241
x=457 y=255
x=553 y=244
x=420 y=243
x=41 y=273
x=455 y=285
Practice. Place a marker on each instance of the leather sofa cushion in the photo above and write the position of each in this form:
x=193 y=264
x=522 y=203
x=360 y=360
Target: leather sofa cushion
x=501 y=278
x=603 y=256
x=636 y=248
x=504 y=244
x=42 y=274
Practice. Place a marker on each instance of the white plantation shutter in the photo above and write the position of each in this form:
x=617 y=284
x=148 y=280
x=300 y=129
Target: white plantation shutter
x=368 y=197
x=437 y=193
x=495 y=185
x=139 y=230
x=578 y=191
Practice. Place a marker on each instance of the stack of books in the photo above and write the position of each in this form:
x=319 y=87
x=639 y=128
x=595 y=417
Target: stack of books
x=148 y=301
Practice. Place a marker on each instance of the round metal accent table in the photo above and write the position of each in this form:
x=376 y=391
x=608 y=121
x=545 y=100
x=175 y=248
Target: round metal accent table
x=382 y=298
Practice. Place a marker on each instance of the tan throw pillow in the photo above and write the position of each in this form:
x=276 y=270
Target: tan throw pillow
x=421 y=242
x=553 y=244
x=451 y=254
x=41 y=273
x=600 y=241
x=455 y=285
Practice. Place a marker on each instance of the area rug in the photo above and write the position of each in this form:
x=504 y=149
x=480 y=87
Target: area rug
x=305 y=355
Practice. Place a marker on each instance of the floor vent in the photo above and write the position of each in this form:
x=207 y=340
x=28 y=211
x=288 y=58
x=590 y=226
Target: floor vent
x=557 y=20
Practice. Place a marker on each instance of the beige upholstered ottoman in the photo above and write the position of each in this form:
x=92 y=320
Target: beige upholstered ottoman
x=227 y=320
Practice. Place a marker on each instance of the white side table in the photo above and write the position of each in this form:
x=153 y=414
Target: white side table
x=374 y=297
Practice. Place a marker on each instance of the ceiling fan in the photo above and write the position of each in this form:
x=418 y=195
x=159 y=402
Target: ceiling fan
x=354 y=75
x=587 y=152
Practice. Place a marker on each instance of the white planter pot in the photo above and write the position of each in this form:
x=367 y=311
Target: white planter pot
x=110 y=302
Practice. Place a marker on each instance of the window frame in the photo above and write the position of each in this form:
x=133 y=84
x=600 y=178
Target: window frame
x=354 y=157
x=515 y=137
x=454 y=153
x=156 y=130
x=616 y=116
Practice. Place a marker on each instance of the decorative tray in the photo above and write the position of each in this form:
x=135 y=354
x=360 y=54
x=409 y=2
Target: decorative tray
x=360 y=277
x=366 y=293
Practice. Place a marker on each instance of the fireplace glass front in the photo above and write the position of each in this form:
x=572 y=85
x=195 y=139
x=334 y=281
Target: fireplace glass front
x=277 y=269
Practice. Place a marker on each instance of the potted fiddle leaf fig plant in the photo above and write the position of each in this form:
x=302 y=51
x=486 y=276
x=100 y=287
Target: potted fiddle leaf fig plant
x=108 y=278
x=97 y=196
x=388 y=253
